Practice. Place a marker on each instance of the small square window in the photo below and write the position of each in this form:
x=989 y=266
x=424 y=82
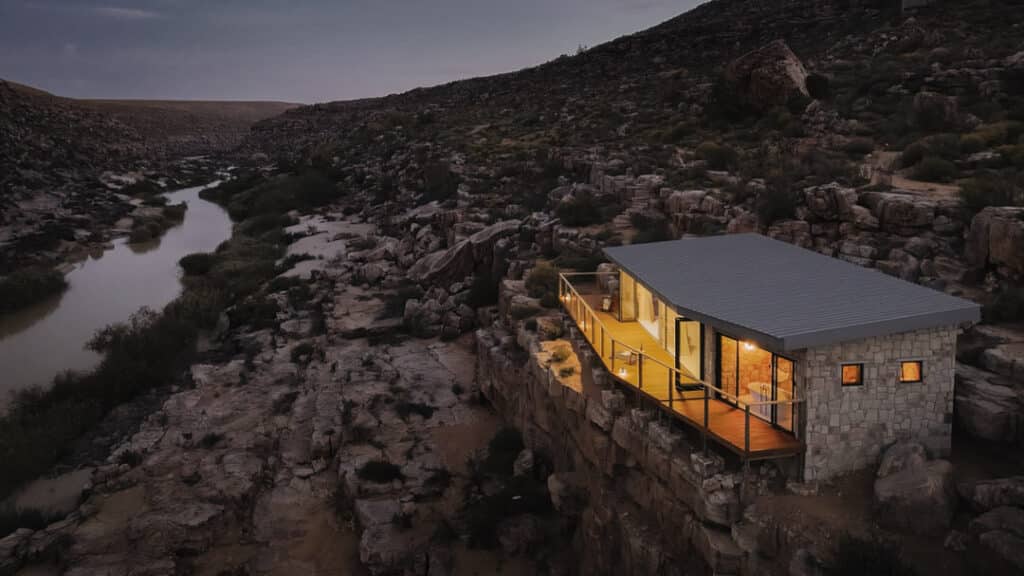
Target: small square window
x=853 y=374
x=911 y=371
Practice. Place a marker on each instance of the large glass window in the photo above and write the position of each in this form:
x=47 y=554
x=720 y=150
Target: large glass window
x=627 y=297
x=852 y=374
x=785 y=388
x=911 y=371
x=754 y=375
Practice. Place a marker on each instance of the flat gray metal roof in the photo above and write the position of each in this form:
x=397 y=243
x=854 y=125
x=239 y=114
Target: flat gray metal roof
x=784 y=296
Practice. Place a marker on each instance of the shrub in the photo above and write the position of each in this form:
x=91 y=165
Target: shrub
x=778 y=200
x=361 y=243
x=129 y=457
x=934 y=169
x=991 y=190
x=579 y=263
x=210 y=439
x=970 y=143
x=578 y=211
x=380 y=472
x=258 y=313
x=12 y=519
x=484 y=290
x=406 y=409
x=818 y=86
x=566 y=371
x=650 y=229
x=283 y=403
x=717 y=156
x=302 y=353
x=1013 y=155
x=1008 y=306
x=561 y=354
x=502 y=451
x=945 y=146
x=542 y=279
x=147 y=351
x=197 y=264
x=175 y=212
x=289 y=261
x=859 y=146
x=857 y=557
x=26 y=287
x=439 y=182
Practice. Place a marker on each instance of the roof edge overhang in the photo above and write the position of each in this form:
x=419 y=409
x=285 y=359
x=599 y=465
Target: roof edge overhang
x=965 y=315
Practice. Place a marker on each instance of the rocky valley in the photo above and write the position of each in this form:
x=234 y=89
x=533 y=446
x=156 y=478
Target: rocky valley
x=376 y=375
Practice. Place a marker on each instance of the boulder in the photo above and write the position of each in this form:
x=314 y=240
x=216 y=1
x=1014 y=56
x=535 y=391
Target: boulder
x=567 y=495
x=682 y=201
x=464 y=258
x=914 y=494
x=997 y=537
x=934 y=111
x=996 y=238
x=898 y=212
x=765 y=78
x=984 y=495
x=831 y=201
x=987 y=406
x=518 y=534
x=902 y=456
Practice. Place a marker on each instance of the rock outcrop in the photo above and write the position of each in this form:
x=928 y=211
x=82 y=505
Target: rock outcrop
x=765 y=78
x=913 y=493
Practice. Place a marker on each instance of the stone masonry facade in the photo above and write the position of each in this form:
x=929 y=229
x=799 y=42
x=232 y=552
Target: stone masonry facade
x=847 y=427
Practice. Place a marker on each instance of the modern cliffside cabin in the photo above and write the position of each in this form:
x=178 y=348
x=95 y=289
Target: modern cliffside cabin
x=774 y=351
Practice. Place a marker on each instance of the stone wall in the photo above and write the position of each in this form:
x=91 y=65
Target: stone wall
x=848 y=426
x=653 y=504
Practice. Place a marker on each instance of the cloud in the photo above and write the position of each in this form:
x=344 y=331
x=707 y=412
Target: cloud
x=121 y=13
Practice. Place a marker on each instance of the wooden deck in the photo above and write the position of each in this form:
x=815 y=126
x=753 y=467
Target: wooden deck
x=650 y=374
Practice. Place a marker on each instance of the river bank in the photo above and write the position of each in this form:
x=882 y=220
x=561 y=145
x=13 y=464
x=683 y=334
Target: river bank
x=40 y=341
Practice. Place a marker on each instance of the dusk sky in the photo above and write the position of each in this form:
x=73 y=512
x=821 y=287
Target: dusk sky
x=300 y=51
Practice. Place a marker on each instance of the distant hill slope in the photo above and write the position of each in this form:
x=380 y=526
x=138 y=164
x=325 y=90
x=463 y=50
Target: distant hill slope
x=54 y=151
x=47 y=140
x=633 y=90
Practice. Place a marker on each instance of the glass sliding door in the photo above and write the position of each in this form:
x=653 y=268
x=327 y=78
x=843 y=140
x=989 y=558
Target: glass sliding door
x=688 y=344
x=728 y=366
x=754 y=376
x=785 y=389
x=647 y=308
x=627 y=297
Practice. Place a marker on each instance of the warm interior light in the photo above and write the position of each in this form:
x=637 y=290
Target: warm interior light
x=749 y=346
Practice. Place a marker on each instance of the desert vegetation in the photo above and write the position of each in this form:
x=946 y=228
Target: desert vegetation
x=26 y=287
x=150 y=349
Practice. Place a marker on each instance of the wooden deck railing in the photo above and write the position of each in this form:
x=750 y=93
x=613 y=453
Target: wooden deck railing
x=602 y=340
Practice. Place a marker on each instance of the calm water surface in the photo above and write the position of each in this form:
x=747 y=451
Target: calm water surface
x=40 y=342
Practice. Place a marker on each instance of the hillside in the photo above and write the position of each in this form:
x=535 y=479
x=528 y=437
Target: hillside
x=54 y=151
x=680 y=108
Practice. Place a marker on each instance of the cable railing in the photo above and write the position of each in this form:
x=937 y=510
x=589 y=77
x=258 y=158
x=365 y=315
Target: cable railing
x=658 y=381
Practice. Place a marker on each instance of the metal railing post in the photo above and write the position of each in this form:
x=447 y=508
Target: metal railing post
x=613 y=358
x=704 y=429
x=746 y=433
x=670 y=387
x=640 y=369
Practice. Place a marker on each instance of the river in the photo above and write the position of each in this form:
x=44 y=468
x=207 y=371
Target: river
x=39 y=342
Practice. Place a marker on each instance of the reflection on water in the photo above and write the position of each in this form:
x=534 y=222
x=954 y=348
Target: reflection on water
x=39 y=342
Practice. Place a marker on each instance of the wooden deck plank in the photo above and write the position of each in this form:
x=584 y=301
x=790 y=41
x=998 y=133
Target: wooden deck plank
x=726 y=421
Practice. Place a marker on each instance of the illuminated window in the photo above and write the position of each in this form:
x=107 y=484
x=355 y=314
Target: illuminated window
x=853 y=374
x=910 y=371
